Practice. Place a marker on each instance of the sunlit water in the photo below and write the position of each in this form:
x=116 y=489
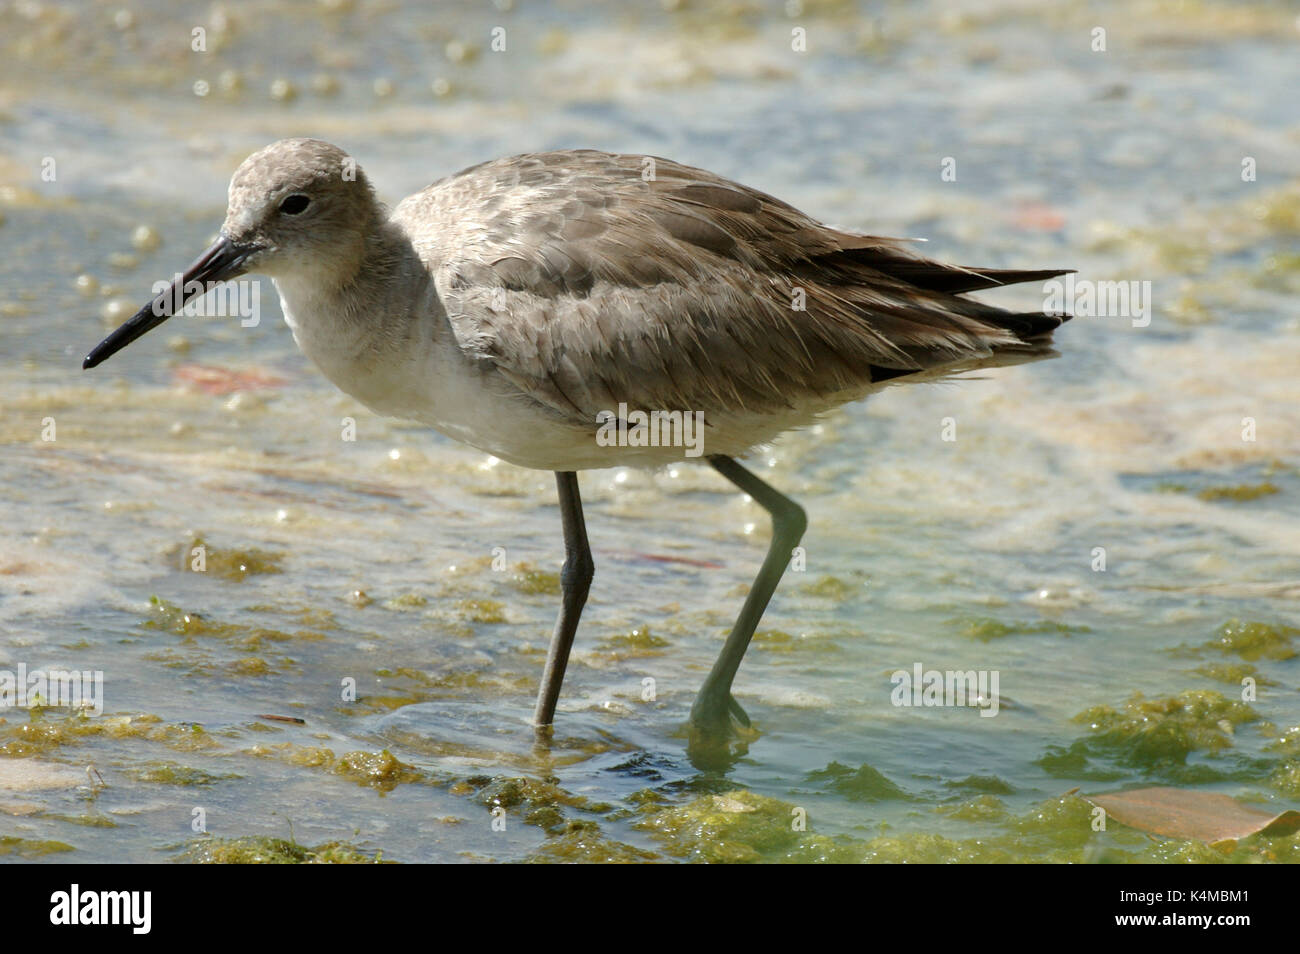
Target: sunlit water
x=424 y=573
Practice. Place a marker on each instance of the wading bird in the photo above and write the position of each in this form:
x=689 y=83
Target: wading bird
x=509 y=305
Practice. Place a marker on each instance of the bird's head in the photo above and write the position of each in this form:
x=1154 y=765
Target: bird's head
x=299 y=210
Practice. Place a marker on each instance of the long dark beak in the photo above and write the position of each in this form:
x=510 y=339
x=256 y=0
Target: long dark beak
x=222 y=260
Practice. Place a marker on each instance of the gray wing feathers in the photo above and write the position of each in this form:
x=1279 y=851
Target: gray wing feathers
x=585 y=285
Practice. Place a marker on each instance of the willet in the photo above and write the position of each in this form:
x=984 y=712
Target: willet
x=523 y=305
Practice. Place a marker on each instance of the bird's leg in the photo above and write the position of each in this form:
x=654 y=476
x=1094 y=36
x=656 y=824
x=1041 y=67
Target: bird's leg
x=575 y=581
x=714 y=703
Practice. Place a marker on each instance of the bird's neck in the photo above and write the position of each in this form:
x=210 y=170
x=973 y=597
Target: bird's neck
x=362 y=327
x=349 y=300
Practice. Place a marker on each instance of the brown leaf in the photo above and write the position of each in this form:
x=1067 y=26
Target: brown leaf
x=1200 y=816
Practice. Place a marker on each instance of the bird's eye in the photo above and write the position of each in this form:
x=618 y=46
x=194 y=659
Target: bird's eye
x=295 y=204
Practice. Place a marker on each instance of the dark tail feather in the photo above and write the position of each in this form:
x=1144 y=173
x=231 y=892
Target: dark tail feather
x=993 y=277
x=886 y=257
x=956 y=280
x=1029 y=326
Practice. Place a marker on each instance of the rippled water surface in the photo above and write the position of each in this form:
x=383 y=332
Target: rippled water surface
x=1120 y=520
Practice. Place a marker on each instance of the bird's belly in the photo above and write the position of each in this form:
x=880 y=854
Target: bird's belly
x=522 y=432
x=459 y=401
x=468 y=406
x=462 y=404
x=429 y=380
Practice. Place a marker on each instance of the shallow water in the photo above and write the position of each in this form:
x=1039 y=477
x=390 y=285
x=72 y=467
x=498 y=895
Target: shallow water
x=425 y=574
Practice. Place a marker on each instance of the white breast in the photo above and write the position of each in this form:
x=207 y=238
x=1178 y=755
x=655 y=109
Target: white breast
x=418 y=372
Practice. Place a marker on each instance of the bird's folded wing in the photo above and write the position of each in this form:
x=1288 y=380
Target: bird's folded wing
x=588 y=279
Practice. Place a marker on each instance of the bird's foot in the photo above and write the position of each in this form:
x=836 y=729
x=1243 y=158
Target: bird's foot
x=719 y=731
x=716 y=712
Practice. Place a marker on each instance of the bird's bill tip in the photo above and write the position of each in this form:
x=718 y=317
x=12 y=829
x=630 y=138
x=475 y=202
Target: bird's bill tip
x=222 y=260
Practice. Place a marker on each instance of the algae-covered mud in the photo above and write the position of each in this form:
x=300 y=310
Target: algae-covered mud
x=306 y=634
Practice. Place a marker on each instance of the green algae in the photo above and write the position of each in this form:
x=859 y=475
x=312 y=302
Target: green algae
x=379 y=770
x=1255 y=640
x=253 y=642
x=1172 y=851
x=171 y=773
x=863 y=784
x=779 y=641
x=42 y=735
x=437 y=683
x=737 y=826
x=741 y=826
x=275 y=851
x=1279 y=211
x=405 y=672
x=1286 y=778
x=1197 y=719
x=1287 y=743
x=482 y=611
x=258 y=637
x=386 y=702
x=310 y=756
x=832 y=588
x=174 y=659
x=1233 y=674
x=170 y=618
x=539 y=803
x=312 y=617
x=985 y=808
x=84 y=820
x=932 y=849
x=638 y=640
x=32 y=738
x=1190 y=309
x=989 y=784
x=774 y=640
x=250 y=666
x=529 y=580
x=31 y=847
x=1239 y=492
x=1065 y=821
x=1156 y=737
x=1279 y=272
x=647 y=799
x=479 y=679
x=985 y=629
x=1171 y=251
x=586 y=845
x=234 y=564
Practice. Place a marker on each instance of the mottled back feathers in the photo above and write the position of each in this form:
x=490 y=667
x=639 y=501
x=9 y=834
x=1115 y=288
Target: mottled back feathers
x=587 y=279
